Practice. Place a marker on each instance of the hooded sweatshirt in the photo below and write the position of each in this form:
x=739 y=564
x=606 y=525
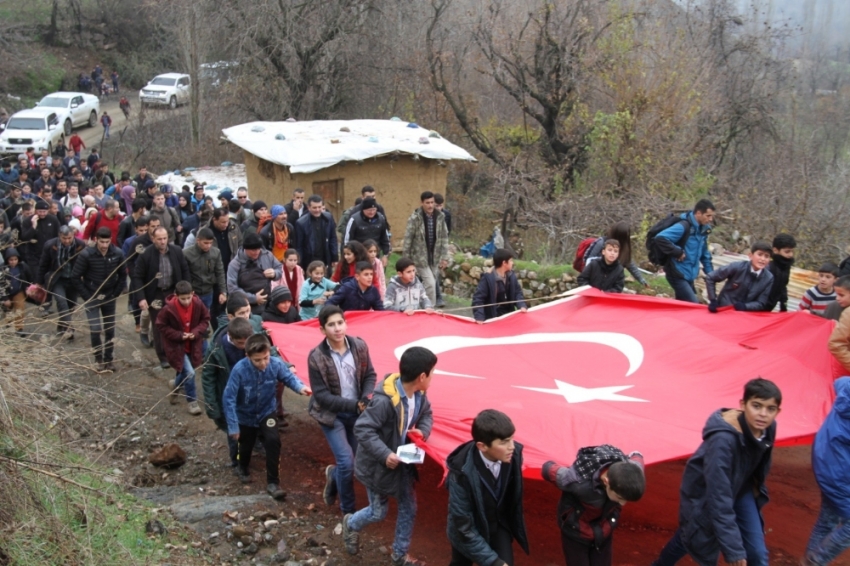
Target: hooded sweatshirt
x=780 y=267
x=402 y=296
x=729 y=461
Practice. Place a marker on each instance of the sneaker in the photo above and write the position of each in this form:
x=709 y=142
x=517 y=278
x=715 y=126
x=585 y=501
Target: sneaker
x=108 y=366
x=349 y=537
x=329 y=493
x=406 y=560
x=164 y=365
x=138 y=329
x=440 y=305
x=68 y=335
x=194 y=409
x=243 y=475
x=146 y=342
x=21 y=334
x=274 y=490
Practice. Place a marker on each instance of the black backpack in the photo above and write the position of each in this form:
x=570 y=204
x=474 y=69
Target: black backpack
x=655 y=255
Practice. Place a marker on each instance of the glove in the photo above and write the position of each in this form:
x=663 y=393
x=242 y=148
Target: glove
x=740 y=306
x=712 y=305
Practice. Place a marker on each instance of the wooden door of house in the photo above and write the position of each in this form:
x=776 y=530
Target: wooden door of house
x=331 y=193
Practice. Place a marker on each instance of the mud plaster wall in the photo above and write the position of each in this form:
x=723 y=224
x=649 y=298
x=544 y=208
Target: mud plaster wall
x=398 y=184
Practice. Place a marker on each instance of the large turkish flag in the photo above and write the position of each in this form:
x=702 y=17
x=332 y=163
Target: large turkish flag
x=637 y=372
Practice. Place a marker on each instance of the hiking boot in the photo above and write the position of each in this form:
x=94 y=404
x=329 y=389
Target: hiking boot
x=329 y=493
x=406 y=560
x=194 y=409
x=243 y=475
x=274 y=490
x=138 y=329
x=146 y=342
x=174 y=394
x=349 y=537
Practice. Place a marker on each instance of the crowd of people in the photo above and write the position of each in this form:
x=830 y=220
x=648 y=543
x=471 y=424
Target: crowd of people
x=204 y=274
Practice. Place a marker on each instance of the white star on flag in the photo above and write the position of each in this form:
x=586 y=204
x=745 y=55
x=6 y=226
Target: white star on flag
x=577 y=394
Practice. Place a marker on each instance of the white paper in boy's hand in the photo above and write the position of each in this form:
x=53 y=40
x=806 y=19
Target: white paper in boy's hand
x=410 y=454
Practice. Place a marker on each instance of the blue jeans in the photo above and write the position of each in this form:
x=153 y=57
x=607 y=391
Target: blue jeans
x=106 y=131
x=683 y=289
x=749 y=524
x=830 y=535
x=186 y=378
x=377 y=511
x=101 y=317
x=343 y=444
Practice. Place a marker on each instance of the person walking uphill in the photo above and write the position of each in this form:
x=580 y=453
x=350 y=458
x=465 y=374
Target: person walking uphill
x=398 y=411
x=250 y=405
x=685 y=246
x=100 y=278
x=342 y=378
x=315 y=236
x=54 y=275
x=157 y=271
x=426 y=242
x=106 y=122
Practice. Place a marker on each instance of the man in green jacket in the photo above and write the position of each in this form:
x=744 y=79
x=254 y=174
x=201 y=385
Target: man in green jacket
x=426 y=242
x=206 y=268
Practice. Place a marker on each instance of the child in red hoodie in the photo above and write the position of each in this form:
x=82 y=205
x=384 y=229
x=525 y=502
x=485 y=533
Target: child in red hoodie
x=182 y=323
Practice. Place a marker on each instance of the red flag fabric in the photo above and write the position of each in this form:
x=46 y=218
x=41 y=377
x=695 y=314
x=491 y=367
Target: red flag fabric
x=637 y=372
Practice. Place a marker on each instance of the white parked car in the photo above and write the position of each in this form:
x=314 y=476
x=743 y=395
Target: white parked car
x=172 y=89
x=73 y=108
x=38 y=128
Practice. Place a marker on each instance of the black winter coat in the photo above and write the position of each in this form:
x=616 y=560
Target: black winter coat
x=714 y=476
x=780 y=267
x=47 y=229
x=742 y=286
x=485 y=294
x=304 y=240
x=143 y=282
x=49 y=263
x=360 y=228
x=600 y=275
x=98 y=274
x=467 y=527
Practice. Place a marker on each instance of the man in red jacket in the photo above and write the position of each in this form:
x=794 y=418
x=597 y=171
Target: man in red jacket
x=110 y=217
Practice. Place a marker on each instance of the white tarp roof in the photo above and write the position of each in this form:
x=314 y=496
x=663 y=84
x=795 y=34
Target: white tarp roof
x=307 y=146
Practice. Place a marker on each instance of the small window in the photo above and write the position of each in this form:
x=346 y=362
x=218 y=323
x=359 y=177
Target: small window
x=77 y=100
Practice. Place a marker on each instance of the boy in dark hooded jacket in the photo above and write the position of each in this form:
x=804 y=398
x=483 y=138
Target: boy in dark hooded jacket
x=595 y=488
x=780 y=267
x=398 y=412
x=723 y=488
x=485 y=494
x=605 y=273
x=831 y=463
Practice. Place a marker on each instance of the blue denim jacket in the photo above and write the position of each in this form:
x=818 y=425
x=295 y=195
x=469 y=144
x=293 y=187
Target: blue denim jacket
x=250 y=393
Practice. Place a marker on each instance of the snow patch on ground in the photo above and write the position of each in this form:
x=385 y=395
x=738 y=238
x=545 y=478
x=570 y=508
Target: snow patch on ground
x=217 y=178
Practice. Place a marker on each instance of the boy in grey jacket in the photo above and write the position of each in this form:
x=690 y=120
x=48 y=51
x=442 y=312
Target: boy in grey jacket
x=748 y=283
x=405 y=293
x=398 y=412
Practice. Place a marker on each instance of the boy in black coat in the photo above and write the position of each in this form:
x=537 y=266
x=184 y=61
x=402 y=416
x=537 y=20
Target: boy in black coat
x=723 y=488
x=485 y=494
x=780 y=267
x=605 y=273
x=595 y=488
x=498 y=292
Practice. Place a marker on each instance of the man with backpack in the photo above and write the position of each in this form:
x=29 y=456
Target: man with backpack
x=680 y=244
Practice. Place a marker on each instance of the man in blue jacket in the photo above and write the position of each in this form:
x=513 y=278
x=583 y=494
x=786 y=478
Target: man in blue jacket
x=831 y=462
x=723 y=488
x=685 y=244
x=358 y=294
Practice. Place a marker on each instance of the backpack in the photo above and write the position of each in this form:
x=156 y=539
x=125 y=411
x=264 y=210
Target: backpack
x=655 y=255
x=581 y=253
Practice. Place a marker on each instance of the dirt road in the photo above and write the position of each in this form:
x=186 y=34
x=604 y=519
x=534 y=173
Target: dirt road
x=128 y=416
